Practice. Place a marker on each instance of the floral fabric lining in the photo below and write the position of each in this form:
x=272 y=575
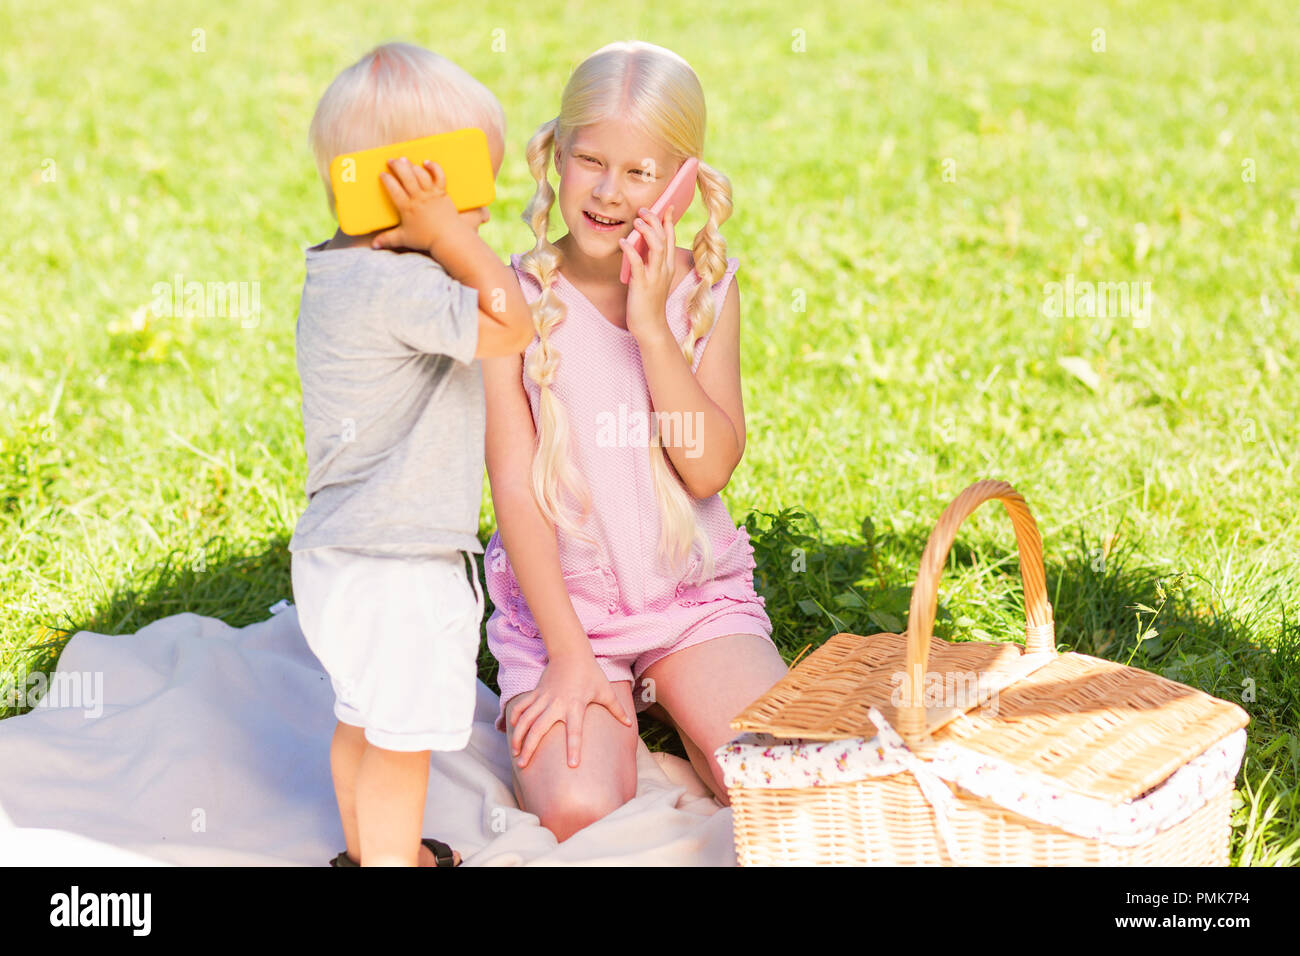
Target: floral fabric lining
x=764 y=761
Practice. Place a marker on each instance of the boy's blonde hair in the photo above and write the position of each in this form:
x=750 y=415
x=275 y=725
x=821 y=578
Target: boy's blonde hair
x=396 y=92
x=657 y=91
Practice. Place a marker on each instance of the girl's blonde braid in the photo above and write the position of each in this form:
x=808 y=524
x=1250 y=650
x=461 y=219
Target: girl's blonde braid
x=552 y=466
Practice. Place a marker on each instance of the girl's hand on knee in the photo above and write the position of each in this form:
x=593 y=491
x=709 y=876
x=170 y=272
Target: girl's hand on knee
x=568 y=686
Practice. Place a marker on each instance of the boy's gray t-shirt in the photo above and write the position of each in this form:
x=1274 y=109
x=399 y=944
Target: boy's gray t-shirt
x=392 y=404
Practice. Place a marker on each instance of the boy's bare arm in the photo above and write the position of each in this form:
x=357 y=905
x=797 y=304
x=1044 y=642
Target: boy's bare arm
x=430 y=222
x=471 y=262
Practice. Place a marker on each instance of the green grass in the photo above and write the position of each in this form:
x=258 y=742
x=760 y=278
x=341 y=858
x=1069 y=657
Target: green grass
x=154 y=467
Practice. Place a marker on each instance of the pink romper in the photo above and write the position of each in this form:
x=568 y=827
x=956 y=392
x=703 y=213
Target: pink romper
x=634 y=611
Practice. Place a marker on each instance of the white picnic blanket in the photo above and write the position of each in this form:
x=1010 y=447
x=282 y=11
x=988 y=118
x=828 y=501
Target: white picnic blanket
x=206 y=744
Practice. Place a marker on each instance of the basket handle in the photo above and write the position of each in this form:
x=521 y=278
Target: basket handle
x=1040 y=633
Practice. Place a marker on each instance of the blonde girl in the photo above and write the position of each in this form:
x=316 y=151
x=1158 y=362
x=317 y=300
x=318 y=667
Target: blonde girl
x=620 y=581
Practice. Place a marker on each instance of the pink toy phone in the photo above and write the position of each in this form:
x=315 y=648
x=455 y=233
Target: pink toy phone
x=678 y=194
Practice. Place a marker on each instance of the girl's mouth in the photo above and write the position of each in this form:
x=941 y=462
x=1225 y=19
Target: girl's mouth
x=602 y=226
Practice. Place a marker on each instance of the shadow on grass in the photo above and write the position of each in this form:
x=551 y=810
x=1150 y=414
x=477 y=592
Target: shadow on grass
x=232 y=583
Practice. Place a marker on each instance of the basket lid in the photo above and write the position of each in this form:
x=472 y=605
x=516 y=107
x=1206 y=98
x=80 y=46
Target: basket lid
x=828 y=695
x=1096 y=727
x=1090 y=726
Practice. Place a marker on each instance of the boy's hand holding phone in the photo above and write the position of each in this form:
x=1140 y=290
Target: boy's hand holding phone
x=429 y=217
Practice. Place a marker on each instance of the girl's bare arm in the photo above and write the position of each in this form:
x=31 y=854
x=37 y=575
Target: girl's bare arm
x=528 y=536
x=711 y=396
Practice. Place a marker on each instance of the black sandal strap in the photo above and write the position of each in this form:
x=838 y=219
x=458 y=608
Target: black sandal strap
x=441 y=851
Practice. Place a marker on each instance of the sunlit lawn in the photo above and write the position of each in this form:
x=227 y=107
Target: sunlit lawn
x=908 y=182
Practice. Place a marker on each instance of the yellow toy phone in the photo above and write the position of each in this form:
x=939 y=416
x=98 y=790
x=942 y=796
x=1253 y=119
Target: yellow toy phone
x=362 y=201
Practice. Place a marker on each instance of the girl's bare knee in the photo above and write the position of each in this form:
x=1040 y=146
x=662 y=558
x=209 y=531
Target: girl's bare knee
x=576 y=799
x=579 y=807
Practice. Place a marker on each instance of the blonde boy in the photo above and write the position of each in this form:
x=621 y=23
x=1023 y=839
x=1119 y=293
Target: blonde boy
x=389 y=330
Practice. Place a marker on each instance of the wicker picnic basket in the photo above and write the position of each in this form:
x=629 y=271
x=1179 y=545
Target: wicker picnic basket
x=863 y=753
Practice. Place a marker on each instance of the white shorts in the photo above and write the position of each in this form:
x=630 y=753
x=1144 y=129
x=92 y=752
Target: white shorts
x=399 y=637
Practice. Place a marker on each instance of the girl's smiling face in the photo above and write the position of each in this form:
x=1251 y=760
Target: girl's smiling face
x=609 y=171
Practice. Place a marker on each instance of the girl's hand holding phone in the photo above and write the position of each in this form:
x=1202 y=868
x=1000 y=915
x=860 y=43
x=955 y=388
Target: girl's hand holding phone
x=420 y=195
x=647 y=292
x=568 y=685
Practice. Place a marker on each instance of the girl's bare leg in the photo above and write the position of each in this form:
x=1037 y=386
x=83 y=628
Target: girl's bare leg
x=703 y=687
x=700 y=762
x=565 y=798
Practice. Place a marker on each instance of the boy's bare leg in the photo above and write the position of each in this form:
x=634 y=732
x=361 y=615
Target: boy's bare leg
x=346 y=748
x=391 y=789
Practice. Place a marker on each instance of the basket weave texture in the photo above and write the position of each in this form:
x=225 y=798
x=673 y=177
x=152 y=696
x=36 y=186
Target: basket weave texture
x=1088 y=726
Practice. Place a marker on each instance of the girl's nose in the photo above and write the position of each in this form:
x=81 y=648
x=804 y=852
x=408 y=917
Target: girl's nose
x=604 y=192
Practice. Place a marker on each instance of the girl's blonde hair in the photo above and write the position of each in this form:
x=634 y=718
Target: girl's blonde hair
x=657 y=91
x=396 y=92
